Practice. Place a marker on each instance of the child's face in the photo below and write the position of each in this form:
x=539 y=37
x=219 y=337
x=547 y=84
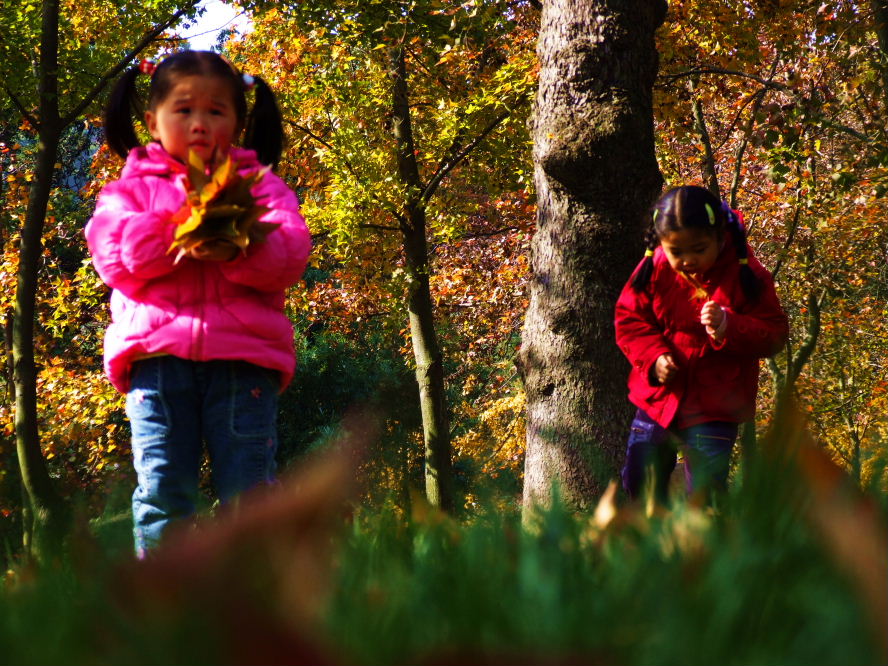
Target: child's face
x=198 y=114
x=691 y=250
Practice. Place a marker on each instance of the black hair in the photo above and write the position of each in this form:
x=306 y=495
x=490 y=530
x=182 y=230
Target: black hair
x=263 y=125
x=693 y=207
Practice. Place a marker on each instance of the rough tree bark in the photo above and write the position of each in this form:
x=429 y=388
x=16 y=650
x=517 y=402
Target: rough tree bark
x=596 y=176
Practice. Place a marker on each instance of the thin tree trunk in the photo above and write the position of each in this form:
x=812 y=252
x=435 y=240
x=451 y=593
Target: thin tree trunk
x=10 y=485
x=426 y=350
x=708 y=168
x=783 y=380
x=48 y=510
x=596 y=177
x=856 y=468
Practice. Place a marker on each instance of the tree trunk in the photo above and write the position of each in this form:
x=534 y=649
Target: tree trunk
x=596 y=177
x=10 y=485
x=48 y=513
x=708 y=167
x=426 y=350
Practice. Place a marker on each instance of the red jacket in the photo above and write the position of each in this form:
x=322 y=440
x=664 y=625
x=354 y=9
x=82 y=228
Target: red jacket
x=717 y=381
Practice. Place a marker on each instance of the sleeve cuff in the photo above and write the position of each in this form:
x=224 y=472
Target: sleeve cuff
x=720 y=331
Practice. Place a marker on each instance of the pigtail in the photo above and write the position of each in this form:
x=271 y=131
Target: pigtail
x=264 y=131
x=643 y=274
x=748 y=280
x=120 y=134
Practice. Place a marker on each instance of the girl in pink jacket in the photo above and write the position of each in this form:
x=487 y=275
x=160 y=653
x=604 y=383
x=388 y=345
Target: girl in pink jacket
x=200 y=342
x=694 y=319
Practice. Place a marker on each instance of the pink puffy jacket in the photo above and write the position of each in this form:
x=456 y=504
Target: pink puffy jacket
x=197 y=310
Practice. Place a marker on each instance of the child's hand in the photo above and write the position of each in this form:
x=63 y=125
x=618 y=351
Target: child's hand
x=665 y=369
x=214 y=250
x=712 y=316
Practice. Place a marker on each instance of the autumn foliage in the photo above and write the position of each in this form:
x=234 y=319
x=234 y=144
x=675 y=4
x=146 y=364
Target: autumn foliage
x=792 y=128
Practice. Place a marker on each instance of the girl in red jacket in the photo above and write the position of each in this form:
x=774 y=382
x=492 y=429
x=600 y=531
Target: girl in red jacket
x=694 y=319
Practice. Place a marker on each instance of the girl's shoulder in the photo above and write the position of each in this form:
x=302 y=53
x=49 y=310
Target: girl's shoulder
x=146 y=180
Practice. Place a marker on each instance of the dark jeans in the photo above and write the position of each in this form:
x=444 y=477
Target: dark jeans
x=175 y=407
x=652 y=452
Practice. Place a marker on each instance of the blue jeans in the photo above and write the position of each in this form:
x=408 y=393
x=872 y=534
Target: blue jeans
x=652 y=452
x=174 y=407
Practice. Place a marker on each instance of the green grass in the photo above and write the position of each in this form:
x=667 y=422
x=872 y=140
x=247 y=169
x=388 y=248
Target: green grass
x=752 y=582
x=684 y=588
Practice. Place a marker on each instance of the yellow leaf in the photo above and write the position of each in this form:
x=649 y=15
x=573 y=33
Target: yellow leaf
x=197 y=171
x=218 y=181
x=192 y=223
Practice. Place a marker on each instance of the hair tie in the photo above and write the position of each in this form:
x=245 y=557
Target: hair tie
x=147 y=67
x=649 y=253
x=728 y=211
x=249 y=81
x=711 y=214
x=734 y=217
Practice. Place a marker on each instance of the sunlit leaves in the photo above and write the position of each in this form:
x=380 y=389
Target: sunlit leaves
x=92 y=36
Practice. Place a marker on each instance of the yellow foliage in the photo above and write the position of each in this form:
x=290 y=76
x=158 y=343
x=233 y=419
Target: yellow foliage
x=497 y=440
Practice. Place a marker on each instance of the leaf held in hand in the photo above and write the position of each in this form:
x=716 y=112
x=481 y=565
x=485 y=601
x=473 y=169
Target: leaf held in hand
x=222 y=208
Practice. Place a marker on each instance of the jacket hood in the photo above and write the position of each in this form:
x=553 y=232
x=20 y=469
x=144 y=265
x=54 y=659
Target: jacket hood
x=154 y=160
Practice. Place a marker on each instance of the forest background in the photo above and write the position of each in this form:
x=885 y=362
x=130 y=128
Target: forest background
x=778 y=106
x=791 y=131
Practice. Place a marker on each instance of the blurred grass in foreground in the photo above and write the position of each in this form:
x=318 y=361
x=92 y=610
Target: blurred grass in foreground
x=790 y=568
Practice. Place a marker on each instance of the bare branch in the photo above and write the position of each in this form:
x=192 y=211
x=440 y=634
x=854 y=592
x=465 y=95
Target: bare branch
x=480 y=234
x=354 y=172
x=767 y=83
x=21 y=107
x=378 y=227
x=314 y=136
x=708 y=167
x=792 y=230
x=442 y=172
x=487 y=234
